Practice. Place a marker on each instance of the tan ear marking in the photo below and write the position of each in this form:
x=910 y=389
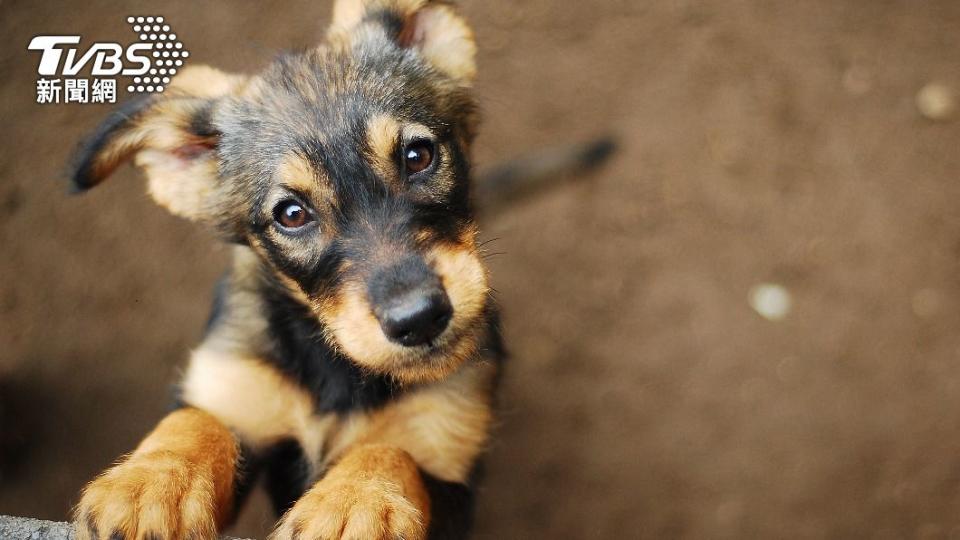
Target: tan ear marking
x=433 y=28
x=168 y=138
x=205 y=82
x=445 y=40
x=347 y=14
x=109 y=145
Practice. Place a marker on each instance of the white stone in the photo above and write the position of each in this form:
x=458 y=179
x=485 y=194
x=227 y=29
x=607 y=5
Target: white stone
x=936 y=101
x=773 y=302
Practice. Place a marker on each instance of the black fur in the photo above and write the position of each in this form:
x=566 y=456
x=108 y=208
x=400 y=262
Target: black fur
x=300 y=351
x=287 y=475
x=201 y=122
x=451 y=508
x=248 y=470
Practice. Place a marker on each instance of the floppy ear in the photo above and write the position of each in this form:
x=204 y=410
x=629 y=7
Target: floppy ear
x=169 y=136
x=430 y=27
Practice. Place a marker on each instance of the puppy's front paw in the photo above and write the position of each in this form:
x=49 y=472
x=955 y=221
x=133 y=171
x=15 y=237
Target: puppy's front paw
x=375 y=494
x=371 y=508
x=155 y=496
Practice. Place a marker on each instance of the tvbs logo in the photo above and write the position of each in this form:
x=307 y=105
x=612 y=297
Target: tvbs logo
x=149 y=62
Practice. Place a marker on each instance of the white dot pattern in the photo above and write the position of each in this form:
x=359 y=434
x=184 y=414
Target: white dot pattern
x=167 y=52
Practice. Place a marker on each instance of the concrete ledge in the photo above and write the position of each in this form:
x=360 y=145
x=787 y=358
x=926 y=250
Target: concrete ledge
x=17 y=528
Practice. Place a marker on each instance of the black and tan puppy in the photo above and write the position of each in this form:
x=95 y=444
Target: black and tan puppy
x=353 y=351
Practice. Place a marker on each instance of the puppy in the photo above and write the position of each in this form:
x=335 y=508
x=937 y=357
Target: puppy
x=353 y=350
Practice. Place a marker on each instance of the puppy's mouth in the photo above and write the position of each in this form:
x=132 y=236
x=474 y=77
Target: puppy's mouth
x=439 y=358
x=430 y=351
x=427 y=362
x=418 y=319
x=436 y=349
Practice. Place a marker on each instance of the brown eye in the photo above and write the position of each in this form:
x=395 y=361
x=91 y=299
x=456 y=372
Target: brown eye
x=291 y=215
x=418 y=156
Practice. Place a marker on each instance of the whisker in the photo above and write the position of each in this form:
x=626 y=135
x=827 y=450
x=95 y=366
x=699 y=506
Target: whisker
x=485 y=242
x=491 y=255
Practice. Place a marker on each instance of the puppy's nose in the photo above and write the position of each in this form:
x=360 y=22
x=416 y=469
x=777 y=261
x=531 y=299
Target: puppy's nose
x=416 y=318
x=409 y=301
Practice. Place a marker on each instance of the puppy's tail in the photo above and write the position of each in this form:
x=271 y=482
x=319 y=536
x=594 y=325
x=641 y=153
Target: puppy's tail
x=501 y=185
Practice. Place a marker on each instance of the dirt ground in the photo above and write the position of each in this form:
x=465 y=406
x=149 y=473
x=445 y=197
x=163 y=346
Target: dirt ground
x=761 y=141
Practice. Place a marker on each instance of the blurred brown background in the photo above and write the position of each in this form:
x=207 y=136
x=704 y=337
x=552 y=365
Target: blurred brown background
x=761 y=141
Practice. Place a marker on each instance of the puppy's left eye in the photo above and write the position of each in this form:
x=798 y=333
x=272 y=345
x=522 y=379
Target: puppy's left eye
x=418 y=156
x=291 y=214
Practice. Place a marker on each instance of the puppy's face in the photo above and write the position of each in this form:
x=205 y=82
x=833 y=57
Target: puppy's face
x=345 y=168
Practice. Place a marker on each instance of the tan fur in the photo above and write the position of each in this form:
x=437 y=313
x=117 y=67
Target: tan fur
x=205 y=82
x=383 y=134
x=465 y=279
x=182 y=182
x=441 y=36
x=347 y=14
x=246 y=329
x=178 y=482
x=289 y=283
x=184 y=187
x=354 y=327
x=259 y=403
x=374 y=492
x=163 y=125
x=416 y=131
x=446 y=41
x=444 y=426
x=357 y=331
x=296 y=173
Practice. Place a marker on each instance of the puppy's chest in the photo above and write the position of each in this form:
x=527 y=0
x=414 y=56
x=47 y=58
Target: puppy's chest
x=264 y=404
x=323 y=437
x=444 y=426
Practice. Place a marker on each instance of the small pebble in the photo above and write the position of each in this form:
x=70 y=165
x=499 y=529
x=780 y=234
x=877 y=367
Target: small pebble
x=936 y=102
x=771 y=301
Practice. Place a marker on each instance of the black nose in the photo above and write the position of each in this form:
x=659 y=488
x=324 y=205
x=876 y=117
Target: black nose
x=416 y=318
x=410 y=303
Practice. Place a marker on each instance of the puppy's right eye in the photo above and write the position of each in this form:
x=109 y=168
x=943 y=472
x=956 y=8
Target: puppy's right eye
x=291 y=215
x=418 y=156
